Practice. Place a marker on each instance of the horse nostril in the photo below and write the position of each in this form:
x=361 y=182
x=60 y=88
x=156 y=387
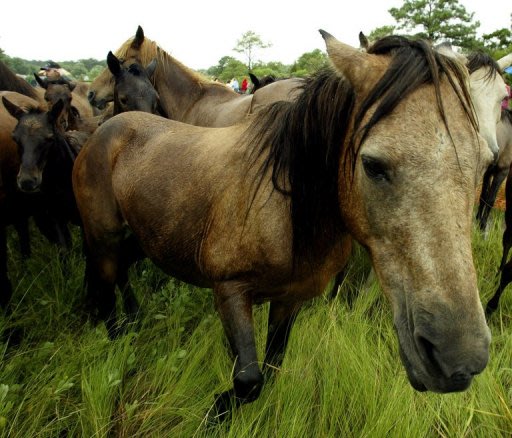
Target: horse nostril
x=427 y=350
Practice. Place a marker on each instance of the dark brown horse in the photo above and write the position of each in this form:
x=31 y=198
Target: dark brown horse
x=47 y=154
x=185 y=95
x=266 y=210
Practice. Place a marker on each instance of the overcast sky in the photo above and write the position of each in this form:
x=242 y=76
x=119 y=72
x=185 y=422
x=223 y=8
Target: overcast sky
x=197 y=32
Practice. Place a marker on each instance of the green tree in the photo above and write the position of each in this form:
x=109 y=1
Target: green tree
x=437 y=20
x=249 y=45
x=500 y=39
x=381 y=32
x=309 y=63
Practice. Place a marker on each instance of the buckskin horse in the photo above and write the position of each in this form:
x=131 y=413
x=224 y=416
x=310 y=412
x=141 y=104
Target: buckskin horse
x=266 y=210
x=185 y=95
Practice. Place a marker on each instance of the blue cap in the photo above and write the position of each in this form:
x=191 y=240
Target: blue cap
x=508 y=70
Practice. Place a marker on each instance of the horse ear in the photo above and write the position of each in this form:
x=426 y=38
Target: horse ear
x=352 y=63
x=54 y=113
x=13 y=109
x=363 y=41
x=254 y=80
x=113 y=64
x=150 y=69
x=139 y=38
x=445 y=48
x=42 y=82
x=505 y=61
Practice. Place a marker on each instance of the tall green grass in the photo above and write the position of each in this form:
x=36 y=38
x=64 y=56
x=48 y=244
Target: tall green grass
x=61 y=376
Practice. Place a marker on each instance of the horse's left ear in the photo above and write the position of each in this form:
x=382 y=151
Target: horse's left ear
x=13 y=109
x=150 y=69
x=139 y=38
x=352 y=63
x=43 y=83
x=113 y=64
x=505 y=61
x=54 y=113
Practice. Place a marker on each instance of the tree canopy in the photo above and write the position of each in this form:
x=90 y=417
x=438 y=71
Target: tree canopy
x=248 y=45
x=437 y=20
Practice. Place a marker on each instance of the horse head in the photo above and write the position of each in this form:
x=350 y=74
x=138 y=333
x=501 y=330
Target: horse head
x=416 y=223
x=101 y=90
x=35 y=135
x=133 y=90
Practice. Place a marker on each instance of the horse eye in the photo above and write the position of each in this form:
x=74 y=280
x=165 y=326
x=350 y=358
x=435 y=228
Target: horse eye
x=375 y=169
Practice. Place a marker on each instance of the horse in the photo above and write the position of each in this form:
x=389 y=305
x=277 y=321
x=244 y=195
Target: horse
x=498 y=171
x=47 y=153
x=266 y=210
x=185 y=95
x=504 y=134
x=15 y=206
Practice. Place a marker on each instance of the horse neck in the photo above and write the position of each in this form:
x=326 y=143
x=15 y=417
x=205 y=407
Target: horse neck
x=180 y=89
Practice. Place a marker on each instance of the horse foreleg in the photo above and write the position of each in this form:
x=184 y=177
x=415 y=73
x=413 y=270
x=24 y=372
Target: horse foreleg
x=234 y=305
x=281 y=317
x=5 y=284
x=484 y=194
x=506 y=278
x=492 y=194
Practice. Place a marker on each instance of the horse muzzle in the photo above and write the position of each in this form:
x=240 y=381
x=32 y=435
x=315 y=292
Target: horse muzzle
x=100 y=104
x=442 y=363
x=29 y=183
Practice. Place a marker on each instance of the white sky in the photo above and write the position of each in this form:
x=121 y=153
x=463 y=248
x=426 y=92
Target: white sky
x=198 y=32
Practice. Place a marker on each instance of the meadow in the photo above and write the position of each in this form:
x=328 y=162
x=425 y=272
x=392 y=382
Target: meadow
x=60 y=375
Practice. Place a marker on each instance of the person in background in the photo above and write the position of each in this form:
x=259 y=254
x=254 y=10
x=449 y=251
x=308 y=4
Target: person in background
x=234 y=85
x=54 y=71
x=243 y=89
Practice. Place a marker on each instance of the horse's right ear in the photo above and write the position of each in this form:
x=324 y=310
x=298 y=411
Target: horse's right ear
x=42 y=82
x=254 y=80
x=113 y=64
x=14 y=110
x=363 y=41
x=150 y=69
x=139 y=38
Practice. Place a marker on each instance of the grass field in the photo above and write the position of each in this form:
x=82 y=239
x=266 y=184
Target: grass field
x=342 y=376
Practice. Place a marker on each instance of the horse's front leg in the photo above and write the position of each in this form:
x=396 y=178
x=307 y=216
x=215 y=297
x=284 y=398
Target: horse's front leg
x=280 y=321
x=234 y=305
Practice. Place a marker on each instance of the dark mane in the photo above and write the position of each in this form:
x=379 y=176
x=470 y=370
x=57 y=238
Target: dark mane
x=480 y=59
x=10 y=82
x=306 y=140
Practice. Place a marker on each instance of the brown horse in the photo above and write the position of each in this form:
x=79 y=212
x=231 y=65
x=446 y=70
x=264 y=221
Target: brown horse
x=184 y=94
x=266 y=210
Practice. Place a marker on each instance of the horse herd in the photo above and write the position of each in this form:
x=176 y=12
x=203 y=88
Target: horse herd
x=260 y=196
